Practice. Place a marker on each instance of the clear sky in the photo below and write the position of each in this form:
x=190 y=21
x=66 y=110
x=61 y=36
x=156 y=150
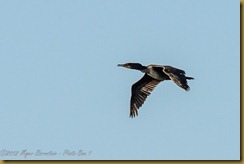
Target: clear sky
x=62 y=92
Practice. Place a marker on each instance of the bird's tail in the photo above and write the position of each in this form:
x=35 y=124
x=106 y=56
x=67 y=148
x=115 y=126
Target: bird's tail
x=189 y=78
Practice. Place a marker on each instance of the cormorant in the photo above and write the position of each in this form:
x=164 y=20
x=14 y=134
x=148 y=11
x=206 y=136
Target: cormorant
x=154 y=74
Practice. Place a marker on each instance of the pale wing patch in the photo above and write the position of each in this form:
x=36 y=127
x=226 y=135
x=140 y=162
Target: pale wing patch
x=177 y=76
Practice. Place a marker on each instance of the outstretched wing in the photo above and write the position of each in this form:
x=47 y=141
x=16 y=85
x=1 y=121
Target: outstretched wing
x=177 y=76
x=140 y=90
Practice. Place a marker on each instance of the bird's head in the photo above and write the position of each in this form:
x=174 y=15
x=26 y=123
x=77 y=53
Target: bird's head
x=137 y=66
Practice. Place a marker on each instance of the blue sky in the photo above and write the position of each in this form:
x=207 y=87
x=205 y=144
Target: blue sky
x=61 y=89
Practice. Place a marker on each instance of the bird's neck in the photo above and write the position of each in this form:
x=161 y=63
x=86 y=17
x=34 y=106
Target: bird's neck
x=142 y=69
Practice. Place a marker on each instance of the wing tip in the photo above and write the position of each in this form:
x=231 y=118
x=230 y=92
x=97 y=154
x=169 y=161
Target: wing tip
x=133 y=113
x=187 y=88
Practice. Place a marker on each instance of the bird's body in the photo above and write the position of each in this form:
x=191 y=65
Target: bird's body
x=154 y=74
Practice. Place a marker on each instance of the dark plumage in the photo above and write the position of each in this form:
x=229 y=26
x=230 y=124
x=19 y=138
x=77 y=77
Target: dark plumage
x=154 y=74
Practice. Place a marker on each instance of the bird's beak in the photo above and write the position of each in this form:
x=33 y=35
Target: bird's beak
x=120 y=65
x=124 y=65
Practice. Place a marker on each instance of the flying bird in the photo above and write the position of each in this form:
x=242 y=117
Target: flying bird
x=154 y=74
